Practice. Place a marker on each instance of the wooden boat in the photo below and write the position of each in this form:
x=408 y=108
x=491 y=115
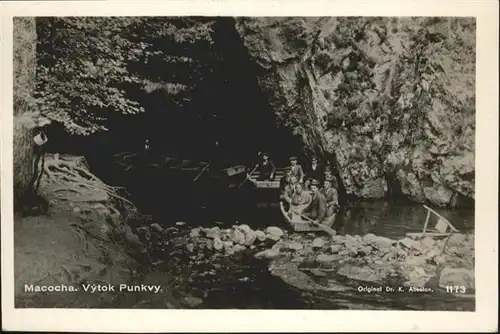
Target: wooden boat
x=299 y=224
x=235 y=170
x=274 y=184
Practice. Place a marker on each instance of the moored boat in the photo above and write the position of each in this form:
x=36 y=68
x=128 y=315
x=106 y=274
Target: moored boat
x=274 y=184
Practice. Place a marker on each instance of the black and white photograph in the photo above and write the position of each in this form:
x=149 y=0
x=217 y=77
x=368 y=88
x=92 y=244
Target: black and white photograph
x=244 y=162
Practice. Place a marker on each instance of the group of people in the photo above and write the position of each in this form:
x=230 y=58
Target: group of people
x=310 y=192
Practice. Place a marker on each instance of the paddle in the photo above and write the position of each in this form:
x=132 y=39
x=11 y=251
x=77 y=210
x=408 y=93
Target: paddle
x=199 y=174
x=246 y=178
x=325 y=228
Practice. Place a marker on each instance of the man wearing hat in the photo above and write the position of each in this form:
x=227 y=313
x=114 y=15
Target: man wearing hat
x=317 y=208
x=315 y=171
x=296 y=169
x=266 y=168
x=331 y=197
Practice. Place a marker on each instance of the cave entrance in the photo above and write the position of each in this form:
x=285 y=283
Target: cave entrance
x=228 y=119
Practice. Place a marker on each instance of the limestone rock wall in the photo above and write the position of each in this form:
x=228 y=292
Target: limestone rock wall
x=389 y=101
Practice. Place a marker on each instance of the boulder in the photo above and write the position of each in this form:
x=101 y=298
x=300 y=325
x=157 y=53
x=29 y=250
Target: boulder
x=218 y=244
x=195 y=232
x=294 y=245
x=344 y=252
x=213 y=232
x=338 y=239
x=336 y=248
x=318 y=243
x=238 y=237
x=271 y=253
x=382 y=243
x=261 y=236
x=239 y=248
x=457 y=277
x=323 y=258
x=250 y=237
x=409 y=243
x=274 y=231
x=156 y=227
x=366 y=249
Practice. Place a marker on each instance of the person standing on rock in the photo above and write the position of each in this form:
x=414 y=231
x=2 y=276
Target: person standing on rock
x=316 y=210
x=296 y=170
x=331 y=197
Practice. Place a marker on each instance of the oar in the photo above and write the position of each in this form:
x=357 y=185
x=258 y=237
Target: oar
x=199 y=174
x=325 y=228
x=246 y=178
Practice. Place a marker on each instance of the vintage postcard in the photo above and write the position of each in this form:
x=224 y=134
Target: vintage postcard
x=249 y=166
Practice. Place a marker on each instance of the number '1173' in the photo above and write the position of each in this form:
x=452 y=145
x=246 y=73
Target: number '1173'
x=455 y=289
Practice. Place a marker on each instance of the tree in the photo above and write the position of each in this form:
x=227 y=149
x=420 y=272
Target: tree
x=91 y=68
x=24 y=114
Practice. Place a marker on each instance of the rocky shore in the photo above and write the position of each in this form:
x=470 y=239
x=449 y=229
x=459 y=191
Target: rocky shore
x=300 y=258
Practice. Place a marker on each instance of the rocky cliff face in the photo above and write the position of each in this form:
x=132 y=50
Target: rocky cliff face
x=390 y=102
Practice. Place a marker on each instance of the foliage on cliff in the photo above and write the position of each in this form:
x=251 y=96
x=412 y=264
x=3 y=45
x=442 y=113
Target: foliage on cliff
x=391 y=98
x=90 y=68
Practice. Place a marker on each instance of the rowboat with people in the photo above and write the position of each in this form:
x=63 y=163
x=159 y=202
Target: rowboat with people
x=301 y=223
x=254 y=177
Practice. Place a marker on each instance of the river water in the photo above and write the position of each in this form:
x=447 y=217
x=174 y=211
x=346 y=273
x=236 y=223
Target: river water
x=243 y=282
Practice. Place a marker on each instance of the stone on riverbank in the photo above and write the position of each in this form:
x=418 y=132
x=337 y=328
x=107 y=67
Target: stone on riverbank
x=261 y=236
x=324 y=258
x=274 y=232
x=237 y=236
x=318 y=243
x=213 y=232
x=270 y=253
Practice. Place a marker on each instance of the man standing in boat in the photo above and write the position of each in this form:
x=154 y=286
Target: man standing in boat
x=296 y=170
x=315 y=171
x=331 y=197
x=265 y=168
x=317 y=208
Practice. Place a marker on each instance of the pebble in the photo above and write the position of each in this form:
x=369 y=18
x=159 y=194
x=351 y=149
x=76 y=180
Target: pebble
x=190 y=247
x=180 y=223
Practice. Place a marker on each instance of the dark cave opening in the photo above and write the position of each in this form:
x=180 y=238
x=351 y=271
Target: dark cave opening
x=227 y=107
x=227 y=121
